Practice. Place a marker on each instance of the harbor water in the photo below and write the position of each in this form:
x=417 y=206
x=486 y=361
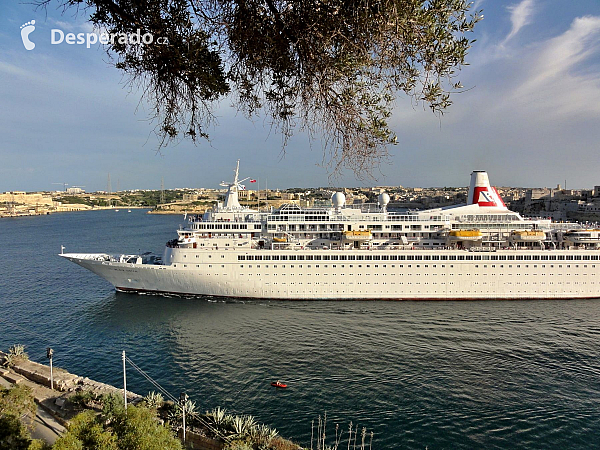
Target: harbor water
x=436 y=375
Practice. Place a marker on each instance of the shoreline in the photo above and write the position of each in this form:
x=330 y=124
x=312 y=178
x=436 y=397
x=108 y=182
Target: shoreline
x=58 y=406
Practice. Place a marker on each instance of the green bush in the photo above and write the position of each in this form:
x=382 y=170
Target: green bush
x=134 y=429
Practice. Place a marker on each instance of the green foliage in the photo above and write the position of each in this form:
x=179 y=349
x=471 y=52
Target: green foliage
x=239 y=445
x=18 y=350
x=112 y=405
x=240 y=428
x=14 y=404
x=38 y=444
x=73 y=199
x=331 y=68
x=83 y=398
x=86 y=431
x=15 y=354
x=16 y=401
x=154 y=400
x=175 y=415
x=13 y=434
x=138 y=428
x=68 y=441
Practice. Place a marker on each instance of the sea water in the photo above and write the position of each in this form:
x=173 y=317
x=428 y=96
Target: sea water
x=430 y=374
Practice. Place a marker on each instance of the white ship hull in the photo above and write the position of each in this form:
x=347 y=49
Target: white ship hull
x=375 y=279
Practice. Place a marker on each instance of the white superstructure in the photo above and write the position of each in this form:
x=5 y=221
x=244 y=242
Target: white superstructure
x=480 y=250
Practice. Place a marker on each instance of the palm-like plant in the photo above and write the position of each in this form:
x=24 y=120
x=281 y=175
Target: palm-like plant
x=154 y=400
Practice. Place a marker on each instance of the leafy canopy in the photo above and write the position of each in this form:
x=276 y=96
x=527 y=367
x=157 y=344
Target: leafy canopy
x=329 y=67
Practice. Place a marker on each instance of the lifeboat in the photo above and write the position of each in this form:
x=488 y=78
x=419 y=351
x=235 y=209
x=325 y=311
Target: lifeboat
x=464 y=235
x=527 y=236
x=279 y=239
x=357 y=235
x=278 y=384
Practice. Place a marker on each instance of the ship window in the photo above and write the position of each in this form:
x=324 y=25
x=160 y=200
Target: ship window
x=444 y=257
x=560 y=257
x=395 y=258
x=267 y=258
x=241 y=257
x=452 y=257
x=275 y=257
x=300 y=257
x=468 y=257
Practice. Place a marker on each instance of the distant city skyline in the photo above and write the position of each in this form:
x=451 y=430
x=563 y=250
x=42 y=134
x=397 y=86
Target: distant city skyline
x=530 y=114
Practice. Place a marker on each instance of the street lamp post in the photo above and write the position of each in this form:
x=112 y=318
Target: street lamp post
x=49 y=353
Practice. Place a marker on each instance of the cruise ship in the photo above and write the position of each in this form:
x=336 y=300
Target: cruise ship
x=480 y=250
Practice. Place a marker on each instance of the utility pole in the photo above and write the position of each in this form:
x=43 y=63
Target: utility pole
x=183 y=399
x=49 y=353
x=124 y=382
x=162 y=190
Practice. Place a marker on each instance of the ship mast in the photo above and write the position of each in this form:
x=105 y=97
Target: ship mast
x=231 y=197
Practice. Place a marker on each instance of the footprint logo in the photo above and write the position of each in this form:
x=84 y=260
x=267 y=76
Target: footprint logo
x=26 y=30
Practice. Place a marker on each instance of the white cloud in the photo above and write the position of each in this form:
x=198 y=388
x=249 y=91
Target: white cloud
x=557 y=82
x=520 y=15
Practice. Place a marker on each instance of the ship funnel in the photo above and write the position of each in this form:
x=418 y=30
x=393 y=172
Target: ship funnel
x=481 y=193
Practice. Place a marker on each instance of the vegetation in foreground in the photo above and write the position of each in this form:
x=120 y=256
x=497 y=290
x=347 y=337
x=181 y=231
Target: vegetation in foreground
x=16 y=409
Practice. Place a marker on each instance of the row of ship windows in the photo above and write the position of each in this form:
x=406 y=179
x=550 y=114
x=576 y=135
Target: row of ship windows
x=418 y=257
x=441 y=283
x=401 y=266
x=226 y=226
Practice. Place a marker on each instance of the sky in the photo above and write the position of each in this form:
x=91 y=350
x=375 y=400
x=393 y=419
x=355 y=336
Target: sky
x=529 y=114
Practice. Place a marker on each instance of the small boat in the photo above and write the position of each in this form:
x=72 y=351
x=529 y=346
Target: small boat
x=278 y=384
